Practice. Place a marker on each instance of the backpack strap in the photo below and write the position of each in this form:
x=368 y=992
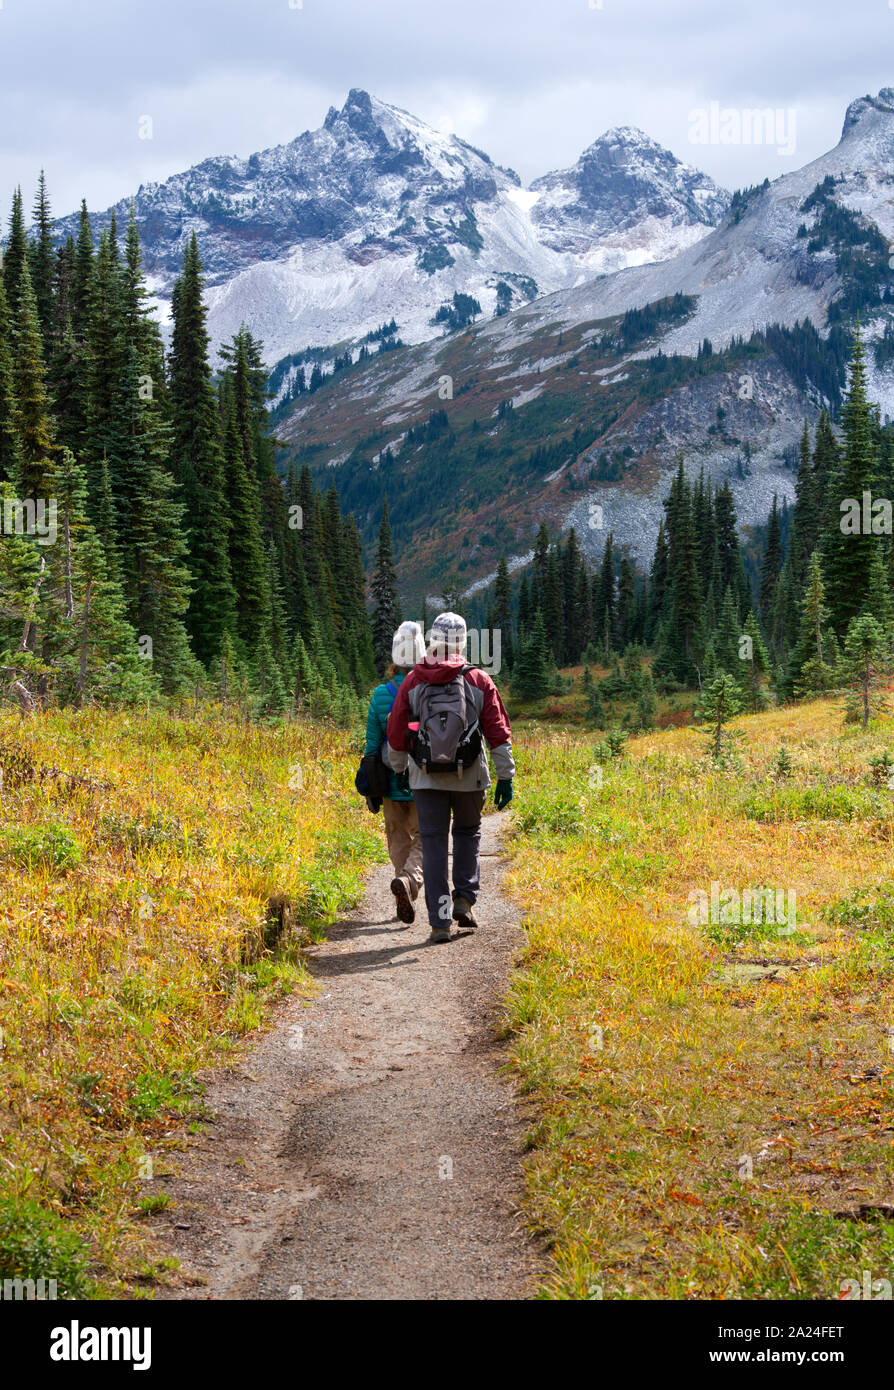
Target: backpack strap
x=392 y=689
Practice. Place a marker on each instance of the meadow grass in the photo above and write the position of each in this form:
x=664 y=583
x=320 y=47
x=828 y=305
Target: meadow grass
x=713 y=1100
x=139 y=854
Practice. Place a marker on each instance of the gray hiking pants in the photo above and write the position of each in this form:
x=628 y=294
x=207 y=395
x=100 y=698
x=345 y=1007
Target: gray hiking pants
x=434 y=809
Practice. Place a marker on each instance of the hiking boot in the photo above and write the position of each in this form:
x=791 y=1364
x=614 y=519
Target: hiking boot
x=439 y=935
x=406 y=912
x=463 y=915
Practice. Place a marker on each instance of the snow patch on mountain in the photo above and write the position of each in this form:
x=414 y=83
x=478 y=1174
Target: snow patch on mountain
x=377 y=215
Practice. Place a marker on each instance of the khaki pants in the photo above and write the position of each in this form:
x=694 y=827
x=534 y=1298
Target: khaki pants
x=404 y=844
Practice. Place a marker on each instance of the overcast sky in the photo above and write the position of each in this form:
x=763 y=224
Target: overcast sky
x=532 y=82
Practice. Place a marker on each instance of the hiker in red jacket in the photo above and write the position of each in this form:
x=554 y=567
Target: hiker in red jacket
x=444 y=714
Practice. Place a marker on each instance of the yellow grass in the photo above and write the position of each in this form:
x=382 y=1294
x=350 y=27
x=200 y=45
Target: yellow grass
x=710 y=1095
x=138 y=853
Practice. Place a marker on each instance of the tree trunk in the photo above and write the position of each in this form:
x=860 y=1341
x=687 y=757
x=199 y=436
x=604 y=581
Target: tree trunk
x=29 y=623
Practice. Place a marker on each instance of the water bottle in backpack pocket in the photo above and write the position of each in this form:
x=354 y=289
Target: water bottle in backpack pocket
x=447 y=738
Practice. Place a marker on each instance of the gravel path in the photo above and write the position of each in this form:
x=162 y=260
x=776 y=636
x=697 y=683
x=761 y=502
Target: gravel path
x=367 y=1147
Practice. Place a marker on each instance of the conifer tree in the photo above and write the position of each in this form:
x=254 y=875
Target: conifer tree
x=756 y=660
x=811 y=670
x=862 y=663
x=658 y=584
x=772 y=563
x=847 y=548
x=719 y=703
x=802 y=537
x=878 y=595
x=94 y=648
x=383 y=590
x=682 y=630
x=15 y=257
x=525 y=612
x=502 y=614
x=29 y=387
x=155 y=575
x=725 y=638
x=247 y=556
x=626 y=602
x=531 y=673
x=82 y=275
x=10 y=447
x=42 y=263
x=605 y=601
x=552 y=606
x=198 y=465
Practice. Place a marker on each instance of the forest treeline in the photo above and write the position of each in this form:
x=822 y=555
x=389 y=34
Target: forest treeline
x=148 y=544
x=822 y=616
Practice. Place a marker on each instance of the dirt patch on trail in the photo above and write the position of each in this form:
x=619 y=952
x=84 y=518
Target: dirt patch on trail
x=367 y=1147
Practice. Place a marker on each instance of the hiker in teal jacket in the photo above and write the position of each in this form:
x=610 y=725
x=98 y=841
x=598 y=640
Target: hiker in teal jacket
x=398 y=807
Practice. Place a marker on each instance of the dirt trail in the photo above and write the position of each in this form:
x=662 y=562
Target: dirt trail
x=326 y=1172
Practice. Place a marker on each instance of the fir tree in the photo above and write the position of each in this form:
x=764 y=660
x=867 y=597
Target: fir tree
x=552 y=606
x=10 y=448
x=719 y=703
x=198 y=465
x=605 y=601
x=502 y=614
x=42 y=264
x=82 y=275
x=862 y=662
x=811 y=670
x=15 y=258
x=383 y=590
x=847 y=550
x=248 y=560
x=531 y=673
x=32 y=401
x=756 y=660
x=878 y=595
x=772 y=563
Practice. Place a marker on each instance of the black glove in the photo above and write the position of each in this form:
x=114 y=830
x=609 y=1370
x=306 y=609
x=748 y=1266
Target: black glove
x=503 y=793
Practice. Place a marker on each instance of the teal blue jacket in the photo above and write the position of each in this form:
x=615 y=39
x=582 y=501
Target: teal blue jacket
x=379 y=710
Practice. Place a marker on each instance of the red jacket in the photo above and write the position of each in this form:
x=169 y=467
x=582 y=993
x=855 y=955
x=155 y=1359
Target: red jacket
x=493 y=718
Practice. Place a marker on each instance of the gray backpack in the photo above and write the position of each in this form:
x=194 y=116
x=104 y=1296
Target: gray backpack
x=447 y=738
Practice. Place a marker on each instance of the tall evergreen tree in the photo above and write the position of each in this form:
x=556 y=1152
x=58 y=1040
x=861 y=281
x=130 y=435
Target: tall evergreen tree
x=605 y=600
x=10 y=448
x=502 y=617
x=247 y=554
x=198 y=465
x=383 y=590
x=772 y=563
x=42 y=263
x=811 y=669
x=847 y=548
x=29 y=386
x=15 y=257
x=531 y=673
x=82 y=274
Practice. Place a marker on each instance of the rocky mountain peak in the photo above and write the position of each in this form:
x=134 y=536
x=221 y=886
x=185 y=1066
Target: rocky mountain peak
x=860 y=108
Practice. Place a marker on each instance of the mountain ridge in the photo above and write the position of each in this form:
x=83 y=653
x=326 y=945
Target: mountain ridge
x=377 y=215
x=574 y=422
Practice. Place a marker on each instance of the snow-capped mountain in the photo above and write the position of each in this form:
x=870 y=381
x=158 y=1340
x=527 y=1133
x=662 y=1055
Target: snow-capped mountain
x=377 y=216
x=760 y=265
x=815 y=244
x=626 y=189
